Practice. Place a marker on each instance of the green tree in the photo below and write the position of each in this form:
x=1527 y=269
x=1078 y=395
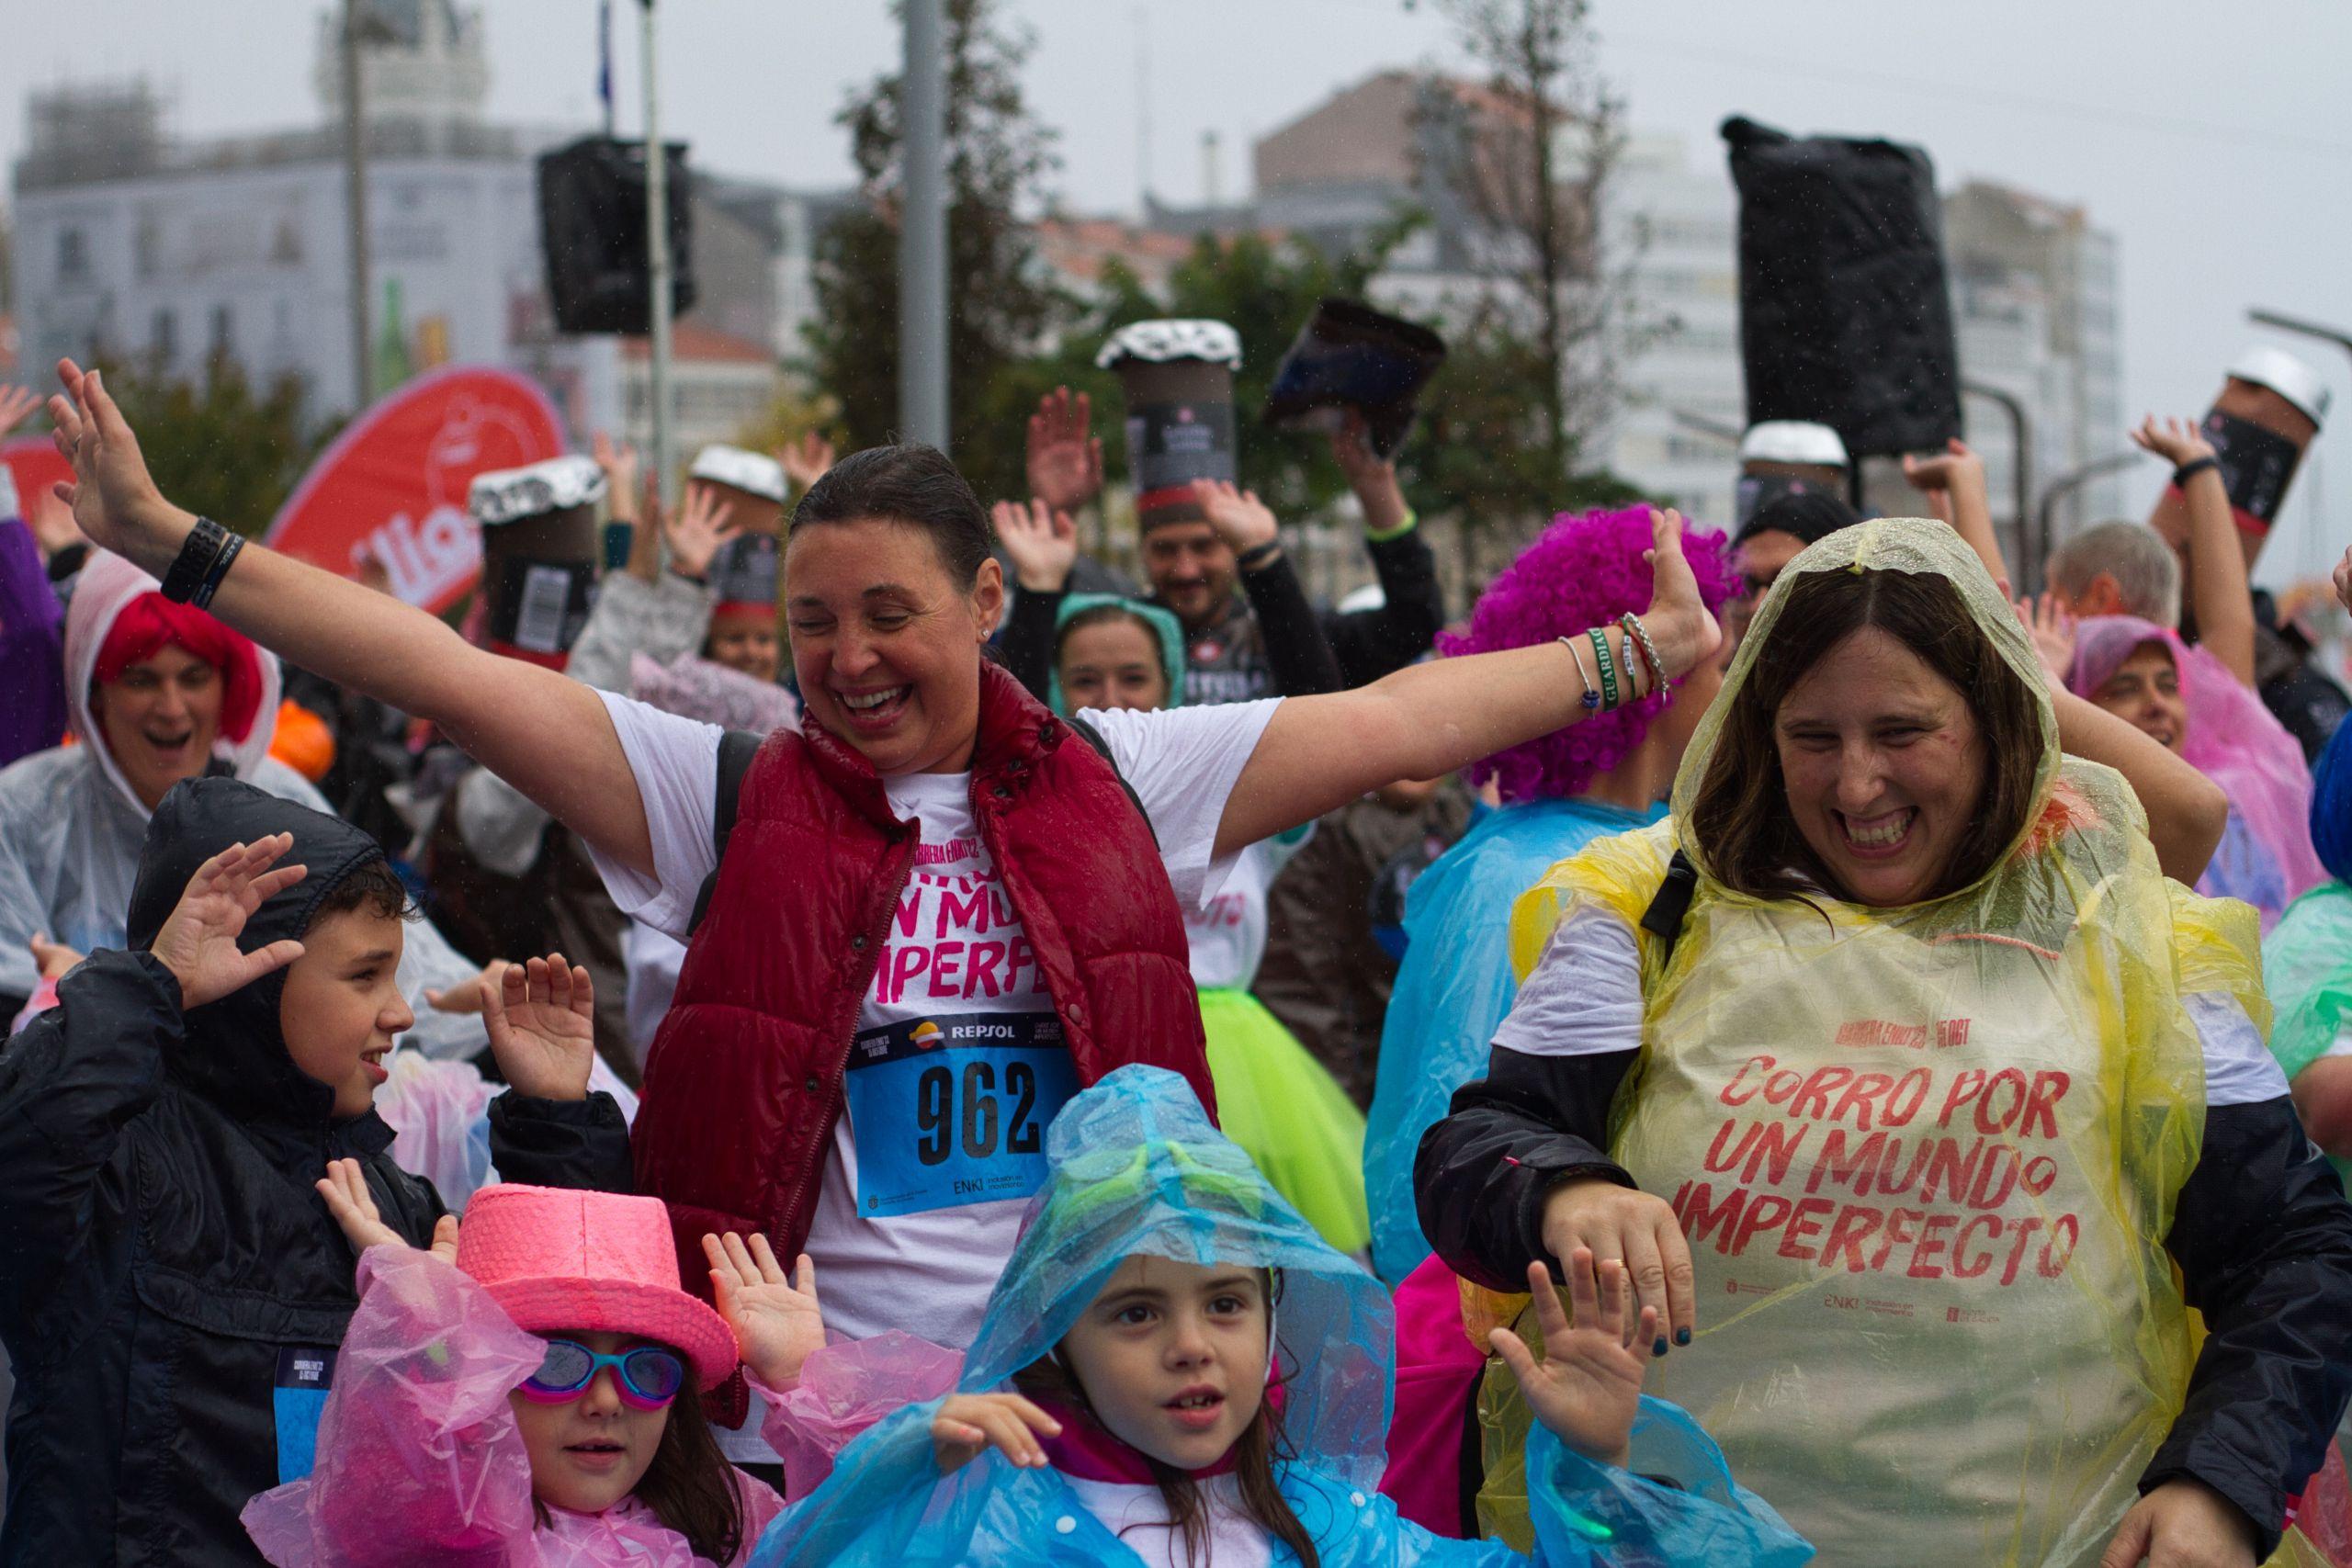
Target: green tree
x=219 y=445
x=1002 y=304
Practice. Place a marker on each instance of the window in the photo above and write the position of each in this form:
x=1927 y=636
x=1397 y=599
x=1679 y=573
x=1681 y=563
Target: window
x=223 y=333
x=72 y=256
x=166 y=339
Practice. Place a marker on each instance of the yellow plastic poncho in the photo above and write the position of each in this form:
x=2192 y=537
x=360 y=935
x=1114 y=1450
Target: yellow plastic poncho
x=1925 y=1157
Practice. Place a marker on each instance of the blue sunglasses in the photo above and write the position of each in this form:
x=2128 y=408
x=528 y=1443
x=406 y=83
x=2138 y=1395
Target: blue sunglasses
x=648 y=1377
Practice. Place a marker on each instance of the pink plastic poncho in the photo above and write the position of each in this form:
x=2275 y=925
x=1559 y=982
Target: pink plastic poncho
x=843 y=1389
x=2266 y=857
x=419 y=1457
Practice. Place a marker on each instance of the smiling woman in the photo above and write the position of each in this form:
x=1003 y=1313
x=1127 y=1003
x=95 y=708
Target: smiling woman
x=1917 y=1042
x=925 y=921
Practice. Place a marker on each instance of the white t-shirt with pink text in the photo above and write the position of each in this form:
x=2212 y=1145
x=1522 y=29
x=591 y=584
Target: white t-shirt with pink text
x=957 y=1063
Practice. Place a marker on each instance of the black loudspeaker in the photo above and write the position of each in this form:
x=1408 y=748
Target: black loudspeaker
x=592 y=225
x=1844 y=316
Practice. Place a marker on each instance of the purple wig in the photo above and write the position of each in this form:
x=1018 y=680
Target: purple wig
x=1581 y=571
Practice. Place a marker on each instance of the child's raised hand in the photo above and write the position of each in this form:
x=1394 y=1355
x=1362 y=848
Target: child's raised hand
x=970 y=1422
x=198 y=941
x=344 y=1187
x=1588 y=1385
x=542 y=1021
x=776 y=1320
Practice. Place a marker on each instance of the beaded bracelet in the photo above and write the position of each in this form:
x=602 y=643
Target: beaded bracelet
x=1591 y=698
x=1607 y=668
x=1638 y=636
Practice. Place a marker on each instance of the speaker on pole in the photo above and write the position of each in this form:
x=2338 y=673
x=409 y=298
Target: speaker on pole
x=1843 y=314
x=592 y=227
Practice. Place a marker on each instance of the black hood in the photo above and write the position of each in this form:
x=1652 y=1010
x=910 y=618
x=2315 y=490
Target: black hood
x=235 y=1054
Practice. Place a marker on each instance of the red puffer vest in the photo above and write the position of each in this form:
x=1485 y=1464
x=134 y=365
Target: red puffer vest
x=744 y=1079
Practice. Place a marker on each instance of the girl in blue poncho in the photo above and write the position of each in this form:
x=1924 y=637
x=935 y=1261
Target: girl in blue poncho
x=1175 y=1370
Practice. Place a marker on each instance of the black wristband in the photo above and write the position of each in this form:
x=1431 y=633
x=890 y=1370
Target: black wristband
x=198 y=553
x=1259 y=556
x=2190 y=469
x=219 y=570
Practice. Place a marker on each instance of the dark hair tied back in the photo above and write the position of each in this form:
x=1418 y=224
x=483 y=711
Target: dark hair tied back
x=910 y=483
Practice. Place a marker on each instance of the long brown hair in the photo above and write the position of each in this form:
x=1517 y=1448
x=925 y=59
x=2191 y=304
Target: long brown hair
x=689 y=1486
x=1254 y=1453
x=1741 y=813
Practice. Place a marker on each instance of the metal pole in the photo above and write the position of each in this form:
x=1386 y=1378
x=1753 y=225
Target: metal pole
x=2065 y=484
x=922 y=236
x=2028 y=570
x=657 y=246
x=2295 y=325
x=354 y=198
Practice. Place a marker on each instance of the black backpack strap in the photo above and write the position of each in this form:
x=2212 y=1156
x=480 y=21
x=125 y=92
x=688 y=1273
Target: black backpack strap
x=1662 y=918
x=736 y=750
x=1093 y=738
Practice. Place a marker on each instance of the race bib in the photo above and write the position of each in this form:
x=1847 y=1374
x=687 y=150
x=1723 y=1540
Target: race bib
x=300 y=1398
x=952 y=1110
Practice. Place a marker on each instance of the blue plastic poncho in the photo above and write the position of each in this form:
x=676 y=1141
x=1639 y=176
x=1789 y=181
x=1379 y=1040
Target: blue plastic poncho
x=1452 y=990
x=1137 y=1168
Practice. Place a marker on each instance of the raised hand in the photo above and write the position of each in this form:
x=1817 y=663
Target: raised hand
x=2176 y=441
x=1678 y=621
x=2050 y=625
x=53 y=959
x=1042 y=543
x=345 y=1188
x=1957 y=470
x=805 y=460
x=1065 y=461
x=113 y=497
x=2343 y=580
x=699 y=532
x=1240 y=519
x=1588 y=1388
x=968 y=1423
x=541 y=1017
x=619 y=464
x=776 y=1320
x=1372 y=477
x=16 y=405
x=198 y=941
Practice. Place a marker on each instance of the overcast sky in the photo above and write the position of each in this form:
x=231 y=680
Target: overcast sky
x=2216 y=144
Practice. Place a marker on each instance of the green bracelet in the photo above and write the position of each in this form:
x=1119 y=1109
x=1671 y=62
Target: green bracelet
x=1607 y=668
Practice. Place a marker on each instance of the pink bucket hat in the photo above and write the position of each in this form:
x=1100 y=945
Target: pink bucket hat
x=556 y=1258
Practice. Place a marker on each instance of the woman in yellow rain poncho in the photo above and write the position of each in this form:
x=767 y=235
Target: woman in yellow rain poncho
x=1929 y=1106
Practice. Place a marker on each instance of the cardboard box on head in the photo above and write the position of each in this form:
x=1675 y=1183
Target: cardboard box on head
x=1177 y=376
x=1779 y=455
x=539 y=546
x=751 y=485
x=2269 y=412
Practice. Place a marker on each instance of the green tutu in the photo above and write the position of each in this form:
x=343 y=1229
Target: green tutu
x=1289 y=1114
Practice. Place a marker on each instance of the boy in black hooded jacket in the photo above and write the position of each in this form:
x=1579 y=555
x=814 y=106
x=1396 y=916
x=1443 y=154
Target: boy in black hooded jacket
x=171 y=1287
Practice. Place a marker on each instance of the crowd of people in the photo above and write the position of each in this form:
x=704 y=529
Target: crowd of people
x=860 y=1034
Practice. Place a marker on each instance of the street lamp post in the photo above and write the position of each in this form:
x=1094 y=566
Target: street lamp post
x=657 y=249
x=923 y=232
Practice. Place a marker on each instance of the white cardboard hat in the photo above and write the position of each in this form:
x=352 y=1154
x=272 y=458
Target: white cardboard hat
x=1792 y=441
x=509 y=495
x=1161 y=341
x=2286 y=376
x=751 y=472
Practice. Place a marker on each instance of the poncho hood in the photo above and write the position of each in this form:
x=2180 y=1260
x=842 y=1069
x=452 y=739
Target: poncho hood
x=1914 y=545
x=103 y=590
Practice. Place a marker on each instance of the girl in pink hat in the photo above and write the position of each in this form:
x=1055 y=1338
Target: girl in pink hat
x=530 y=1394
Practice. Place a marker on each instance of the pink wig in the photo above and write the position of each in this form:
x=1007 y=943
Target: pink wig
x=1582 y=571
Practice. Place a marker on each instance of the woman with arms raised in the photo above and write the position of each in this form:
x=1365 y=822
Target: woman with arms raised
x=939 y=911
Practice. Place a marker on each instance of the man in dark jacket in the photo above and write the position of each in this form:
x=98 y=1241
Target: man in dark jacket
x=172 y=1288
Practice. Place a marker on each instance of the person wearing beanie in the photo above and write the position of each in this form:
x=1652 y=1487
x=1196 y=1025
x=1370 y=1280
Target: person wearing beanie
x=1771 y=536
x=529 y=1392
x=171 y=1292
